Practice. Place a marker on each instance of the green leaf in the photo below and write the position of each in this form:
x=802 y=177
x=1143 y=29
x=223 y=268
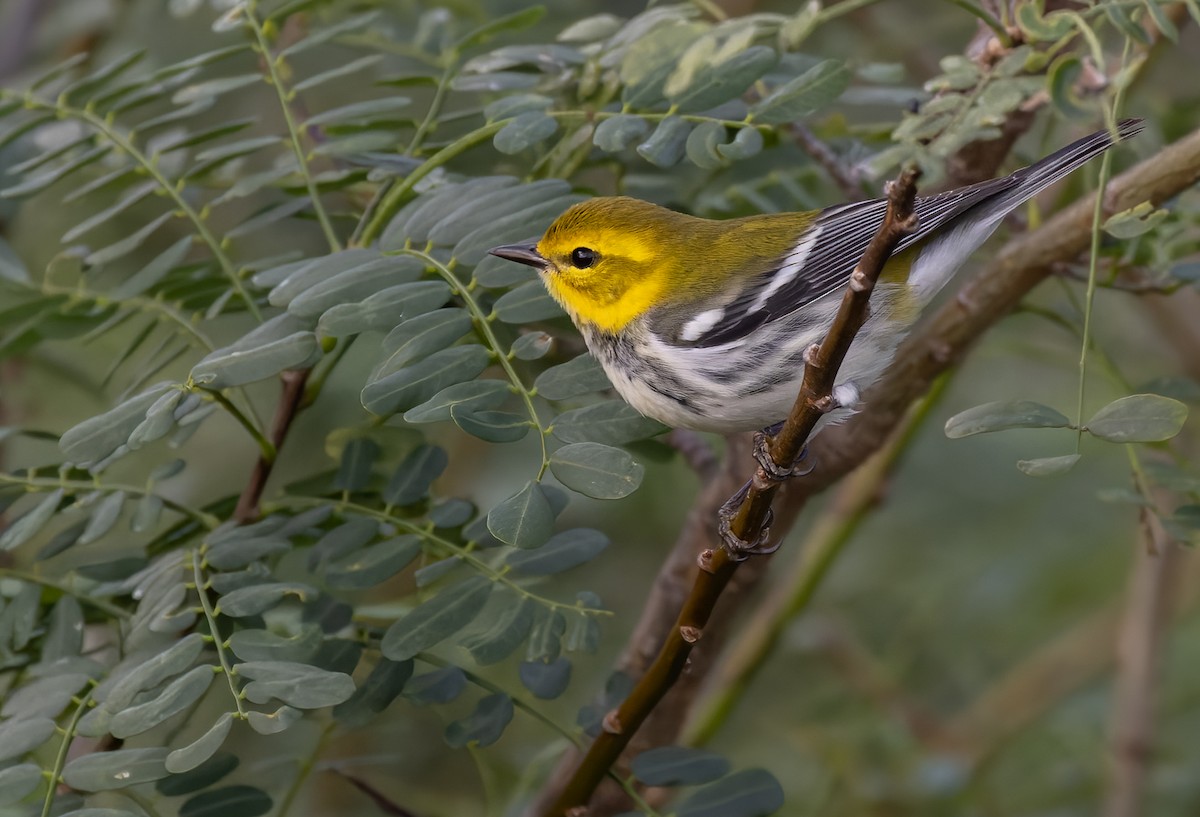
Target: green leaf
x=155 y=670
x=1135 y=221
x=436 y=619
x=546 y=679
x=678 y=766
x=474 y=395
x=342 y=540
x=563 y=551
x=178 y=696
x=349 y=286
x=749 y=793
x=1062 y=79
x=484 y=725
x=352 y=67
x=596 y=470
x=250 y=601
x=591 y=29
x=204 y=747
x=354 y=470
x=238 y=551
x=803 y=96
x=527 y=303
x=16 y=782
x=438 y=687
x=532 y=346
x=300 y=685
x=619 y=132
x=545 y=639
x=373 y=696
x=715 y=84
x=492 y=426
x=374 y=565
x=1038 y=28
x=421 y=336
x=651 y=59
x=237 y=365
x=230 y=801
x=508 y=107
x=119 y=769
x=264 y=645
x=516 y=21
x=525 y=131
x=22 y=735
x=506 y=630
x=1138 y=418
x=356 y=112
x=746 y=142
x=612 y=422
x=415 y=474
x=524 y=520
x=1048 y=466
x=272 y=723
x=28 y=525
x=578 y=376
x=98 y=437
x=667 y=144
x=435 y=571
x=702 y=142
x=153 y=273
x=132 y=242
x=1003 y=415
x=383 y=310
x=201 y=777
x=413 y=385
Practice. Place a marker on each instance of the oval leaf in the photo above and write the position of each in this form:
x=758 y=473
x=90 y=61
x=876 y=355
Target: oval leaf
x=598 y=471
x=1003 y=415
x=437 y=619
x=1139 y=418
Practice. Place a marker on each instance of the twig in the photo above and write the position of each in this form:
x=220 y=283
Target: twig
x=1139 y=642
x=717 y=567
x=847 y=180
x=826 y=538
x=290 y=399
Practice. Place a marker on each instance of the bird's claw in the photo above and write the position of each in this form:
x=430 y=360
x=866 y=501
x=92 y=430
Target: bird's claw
x=739 y=549
x=762 y=456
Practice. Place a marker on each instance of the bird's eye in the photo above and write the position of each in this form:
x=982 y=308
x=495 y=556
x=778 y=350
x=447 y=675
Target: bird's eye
x=582 y=257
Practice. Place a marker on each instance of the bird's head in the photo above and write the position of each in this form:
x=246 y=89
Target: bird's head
x=609 y=260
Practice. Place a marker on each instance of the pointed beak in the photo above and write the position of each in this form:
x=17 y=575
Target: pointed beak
x=521 y=253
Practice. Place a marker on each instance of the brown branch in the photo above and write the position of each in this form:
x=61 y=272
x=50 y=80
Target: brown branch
x=752 y=516
x=1139 y=643
x=847 y=180
x=291 y=398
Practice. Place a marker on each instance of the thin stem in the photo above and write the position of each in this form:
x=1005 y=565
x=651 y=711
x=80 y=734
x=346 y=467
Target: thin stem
x=395 y=197
x=1089 y=297
x=464 y=553
x=293 y=129
x=846 y=7
x=304 y=769
x=100 y=604
x=60 y=759
x=207 y=520
x=435 y=106
x=264 y=445
x=484 y=325
x=139 y=303
x=210 y=616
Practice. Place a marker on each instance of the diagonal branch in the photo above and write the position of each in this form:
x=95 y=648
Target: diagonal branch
x=291 y=400
x=749 y=522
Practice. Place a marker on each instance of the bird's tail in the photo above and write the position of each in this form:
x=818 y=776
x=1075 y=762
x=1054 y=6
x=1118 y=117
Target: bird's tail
x=1038 y=176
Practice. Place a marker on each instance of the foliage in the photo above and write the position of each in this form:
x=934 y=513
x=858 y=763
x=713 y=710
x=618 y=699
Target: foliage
x=311 y=195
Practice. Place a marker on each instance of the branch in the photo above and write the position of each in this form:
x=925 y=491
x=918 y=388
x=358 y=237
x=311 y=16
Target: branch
x=291 y=399
x=846 y=178
x=750 y=520
x=1139 y=642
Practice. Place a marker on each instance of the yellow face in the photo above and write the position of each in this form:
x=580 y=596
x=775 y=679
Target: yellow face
x=608 y=260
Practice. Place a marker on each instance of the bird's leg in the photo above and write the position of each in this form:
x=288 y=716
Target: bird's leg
x=762 y=454
x=739 y=549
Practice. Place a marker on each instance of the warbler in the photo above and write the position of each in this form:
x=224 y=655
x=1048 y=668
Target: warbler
x=704 y=324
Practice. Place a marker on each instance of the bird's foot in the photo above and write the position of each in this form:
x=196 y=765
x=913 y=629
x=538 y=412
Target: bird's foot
x=738 y=548
x=762 y=455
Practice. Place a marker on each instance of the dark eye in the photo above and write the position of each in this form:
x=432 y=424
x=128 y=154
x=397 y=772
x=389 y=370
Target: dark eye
x=582 y=257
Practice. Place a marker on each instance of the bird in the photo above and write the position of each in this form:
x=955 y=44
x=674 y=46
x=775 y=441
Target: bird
x=704 y=324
